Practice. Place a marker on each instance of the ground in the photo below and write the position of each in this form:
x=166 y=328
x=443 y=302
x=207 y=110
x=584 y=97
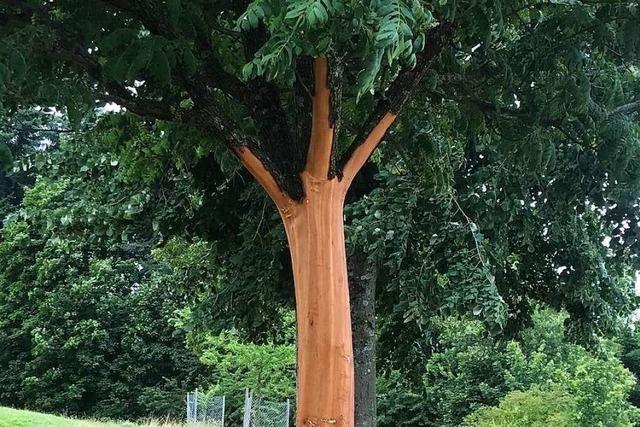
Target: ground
x=19 y=418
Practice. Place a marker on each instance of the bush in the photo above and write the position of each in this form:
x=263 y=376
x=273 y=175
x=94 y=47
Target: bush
x=267 y=369
x=531 y=408
x=472 y=371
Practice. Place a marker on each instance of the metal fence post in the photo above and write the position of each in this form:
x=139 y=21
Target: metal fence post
x=195 y=403
x=223 y=404
x=288 y=411
x=247 y=409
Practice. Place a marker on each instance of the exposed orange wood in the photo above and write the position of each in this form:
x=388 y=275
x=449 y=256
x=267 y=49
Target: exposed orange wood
x=319 y=155
x=364 y=150
x=315 y=232
x=263 y=176
x=325 y=380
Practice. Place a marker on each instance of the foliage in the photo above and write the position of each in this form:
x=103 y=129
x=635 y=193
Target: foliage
x=524 y=156
x=471 y=370
x=267 y=369
x=630 y=357
x=85 y=328
x=531 y=408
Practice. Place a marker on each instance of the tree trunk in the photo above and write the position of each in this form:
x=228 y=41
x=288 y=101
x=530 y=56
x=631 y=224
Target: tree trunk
x=362 y=287
x=315 y=231
x=325 y=383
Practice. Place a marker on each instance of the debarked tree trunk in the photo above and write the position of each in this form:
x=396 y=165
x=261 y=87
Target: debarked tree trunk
x=315 y=233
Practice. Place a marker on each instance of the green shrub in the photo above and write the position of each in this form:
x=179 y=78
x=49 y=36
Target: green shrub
x=267 y=369
x=473 y=370
x=531 y=408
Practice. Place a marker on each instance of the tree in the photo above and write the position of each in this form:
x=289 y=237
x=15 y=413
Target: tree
x=177 y=61
x=85 y=324
x=308 y=189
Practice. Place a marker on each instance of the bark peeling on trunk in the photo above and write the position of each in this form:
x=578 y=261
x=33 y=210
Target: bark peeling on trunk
x=311 y=207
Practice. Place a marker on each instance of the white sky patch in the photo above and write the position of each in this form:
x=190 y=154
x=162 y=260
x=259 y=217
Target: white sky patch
x=473 y=49
x=44 y=143
x=606 y=241
x=516 y=101
x=637 y=287
x=560 y=269
x=111 y=107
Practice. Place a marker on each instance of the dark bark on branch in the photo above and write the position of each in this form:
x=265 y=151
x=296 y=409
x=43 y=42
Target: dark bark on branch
x=403 y=89
x=281 y=146
x=631 y=107
x=260 y=97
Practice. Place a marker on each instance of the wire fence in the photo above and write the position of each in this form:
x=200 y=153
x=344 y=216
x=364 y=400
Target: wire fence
x=204 y=410
x=259 y=412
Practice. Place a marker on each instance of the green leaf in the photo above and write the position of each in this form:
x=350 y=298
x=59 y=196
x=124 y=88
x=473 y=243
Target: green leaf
x=247 y=71
x=6 y=158
x=141 y=62
x=117 y=38
x=189 y=61
x=159 y=67
x=174 y=8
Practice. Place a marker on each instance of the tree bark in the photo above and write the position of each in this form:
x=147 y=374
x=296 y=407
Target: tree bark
x=362 y=288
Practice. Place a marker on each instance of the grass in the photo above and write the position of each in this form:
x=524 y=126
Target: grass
x=20 y=418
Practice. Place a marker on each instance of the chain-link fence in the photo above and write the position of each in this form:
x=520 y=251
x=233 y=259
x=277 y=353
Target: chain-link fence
x=204 y=410
x=263 y=413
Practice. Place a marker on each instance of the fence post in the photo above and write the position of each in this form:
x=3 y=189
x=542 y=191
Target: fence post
x=288 y=411
x=247 y=409
x=195 y=410
x=223 y=404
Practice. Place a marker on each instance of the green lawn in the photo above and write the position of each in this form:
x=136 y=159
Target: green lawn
x=19 y=418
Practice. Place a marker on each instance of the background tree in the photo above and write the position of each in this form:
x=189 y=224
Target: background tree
x=85 y=317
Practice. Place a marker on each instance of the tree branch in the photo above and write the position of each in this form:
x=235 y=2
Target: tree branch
x=400 y=92
x=363 y=151
x=264 y=177
x=626 y=108
x=320 y=148
x=261 y=98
